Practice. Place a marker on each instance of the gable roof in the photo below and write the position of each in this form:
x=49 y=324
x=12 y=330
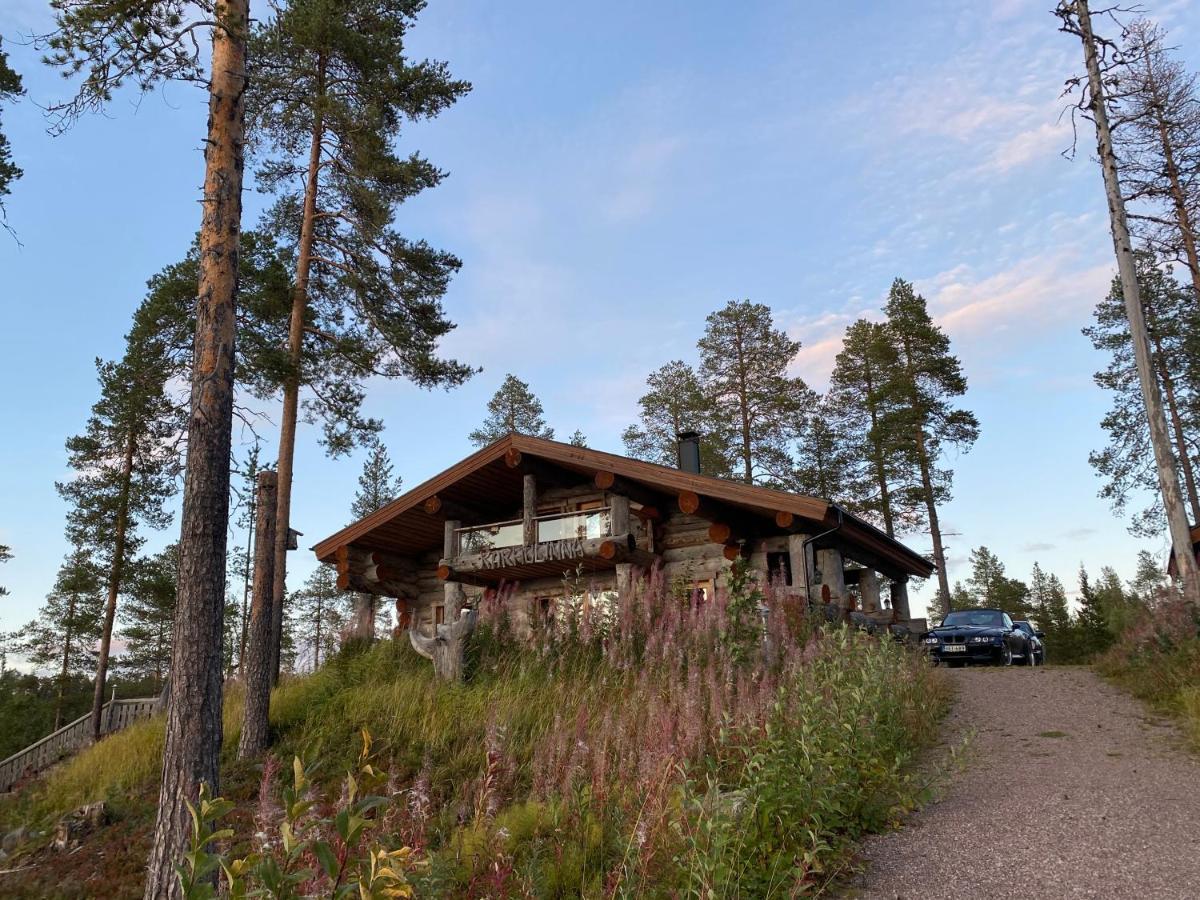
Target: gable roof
x=403 y=526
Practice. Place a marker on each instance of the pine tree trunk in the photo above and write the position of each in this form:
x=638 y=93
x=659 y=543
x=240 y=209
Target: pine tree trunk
x=885 y=498
x=1178 y=195
x=935 y=528
x=246 y=590
x=1168 y=385
x=256 y=672
x=1168 y=473
x=291 y=393
x=66 y=663
x=115 y=575
x=192 y=746
x=317 y=642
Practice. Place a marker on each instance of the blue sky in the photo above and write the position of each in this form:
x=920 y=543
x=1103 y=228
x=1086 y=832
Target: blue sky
x=620 y=171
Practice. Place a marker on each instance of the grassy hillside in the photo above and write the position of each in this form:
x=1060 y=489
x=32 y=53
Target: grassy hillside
x=1157 y=657
x=667 y=749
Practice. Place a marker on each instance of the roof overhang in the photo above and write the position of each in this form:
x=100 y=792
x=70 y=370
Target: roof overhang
x=489 y=481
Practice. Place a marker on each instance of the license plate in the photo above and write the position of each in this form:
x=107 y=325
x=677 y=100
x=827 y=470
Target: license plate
x=954 y=648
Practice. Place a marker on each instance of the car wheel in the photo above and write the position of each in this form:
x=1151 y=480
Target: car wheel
x=1030 y=657
x=1006 y=656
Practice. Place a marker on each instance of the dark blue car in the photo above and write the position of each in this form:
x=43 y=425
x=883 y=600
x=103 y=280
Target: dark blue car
x=979 y=636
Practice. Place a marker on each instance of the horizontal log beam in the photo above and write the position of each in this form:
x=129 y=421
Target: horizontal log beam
x=618 y=548
x=451 y=574
x=361 y=585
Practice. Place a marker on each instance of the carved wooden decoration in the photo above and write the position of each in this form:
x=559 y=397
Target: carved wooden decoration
x=446 y=648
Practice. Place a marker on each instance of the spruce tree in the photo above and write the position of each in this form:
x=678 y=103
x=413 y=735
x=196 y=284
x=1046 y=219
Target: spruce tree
x=148 y=615
x=318 y=614
x=578 y=439
x=1091 y=620
x=1173 y=326
x=376 y=488
x=331 y=90
x=745 y=373
x=147 y=42
x=675 y=403
x=10 y=89
x=67 y=625
x=927 y=379
x=869 y=406
x=512 y=409
x=125 y=464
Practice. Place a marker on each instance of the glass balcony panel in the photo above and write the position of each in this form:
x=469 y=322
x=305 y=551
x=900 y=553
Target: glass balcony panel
x=490 y=537
x=592 y=523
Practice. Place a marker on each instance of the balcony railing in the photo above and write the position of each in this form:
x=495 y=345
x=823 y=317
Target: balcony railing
x=590 y=523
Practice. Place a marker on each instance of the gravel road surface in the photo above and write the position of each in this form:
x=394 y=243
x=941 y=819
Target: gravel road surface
x=1070 y=788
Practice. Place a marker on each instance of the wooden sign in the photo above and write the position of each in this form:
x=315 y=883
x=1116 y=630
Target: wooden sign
x=548 y=551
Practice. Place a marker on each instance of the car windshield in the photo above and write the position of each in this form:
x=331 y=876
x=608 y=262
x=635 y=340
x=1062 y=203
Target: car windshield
x=1025 y=627
x=983 y=618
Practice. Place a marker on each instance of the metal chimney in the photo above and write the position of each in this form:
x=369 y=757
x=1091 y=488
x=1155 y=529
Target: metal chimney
x=689 y=451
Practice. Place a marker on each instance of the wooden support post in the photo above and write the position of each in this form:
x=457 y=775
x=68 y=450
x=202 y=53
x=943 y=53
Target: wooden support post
x=800 y=560
x=900 y=601
x=624 y=582
x=619 y=514
x=868 y=590
x=529 y=506
x=450 y=539
x=833 y=583
x=257 y=669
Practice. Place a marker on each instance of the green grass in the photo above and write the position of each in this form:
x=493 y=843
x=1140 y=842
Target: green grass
x=1158 y=660
x=563 y=773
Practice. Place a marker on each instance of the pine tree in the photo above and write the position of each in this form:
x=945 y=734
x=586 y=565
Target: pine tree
x=318 y=615
x=578 y=439
x=1149 y=581
x=67 y=625
x=376 y=489
x=512 y=409
x=330 y=92
x=990 y=587
x=147 y=617
x=675 y=403
x=5 y=556
x=744 y=371
x=927 y=378
x=242 y=558
x=125 y=464
x=1156 y=136
x=865 y=396
x=825 y=461
x=149 y=42
x=10 y=89
x=1173 y=326
x=1075 y=18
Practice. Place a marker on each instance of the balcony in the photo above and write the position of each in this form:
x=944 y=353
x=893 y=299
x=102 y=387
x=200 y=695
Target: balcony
x=591 y=523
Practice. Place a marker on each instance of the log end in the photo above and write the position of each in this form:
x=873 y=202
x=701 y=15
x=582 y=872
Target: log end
x=719 y=533
x=343 y=581
x=608 y=550
x=689 y=502
x=432 y=505
x=731 y=552
x=605 y=480
x=512 y=458
x=444 y=572
x=784 y=519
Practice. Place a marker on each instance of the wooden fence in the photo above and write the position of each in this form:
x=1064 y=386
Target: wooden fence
x=114 y=715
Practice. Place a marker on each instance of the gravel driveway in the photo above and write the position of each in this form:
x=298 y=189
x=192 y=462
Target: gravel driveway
x=1070 y=788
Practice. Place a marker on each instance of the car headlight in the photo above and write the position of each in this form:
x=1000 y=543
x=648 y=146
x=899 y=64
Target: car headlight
x=931 y=640
x=981 y=639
